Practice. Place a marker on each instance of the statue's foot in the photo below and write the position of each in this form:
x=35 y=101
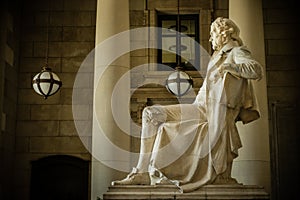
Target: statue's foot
x=134 y=178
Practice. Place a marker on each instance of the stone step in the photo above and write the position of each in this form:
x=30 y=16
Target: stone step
x=143 y=188
x=213 y=192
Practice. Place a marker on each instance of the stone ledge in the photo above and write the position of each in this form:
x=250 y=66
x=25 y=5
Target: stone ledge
x=213 y=192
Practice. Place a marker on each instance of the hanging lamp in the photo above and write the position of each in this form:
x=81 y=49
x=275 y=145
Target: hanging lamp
x=46 y=82
x=178 y=82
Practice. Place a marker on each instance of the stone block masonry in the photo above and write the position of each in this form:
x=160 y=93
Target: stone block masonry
x=46 y=127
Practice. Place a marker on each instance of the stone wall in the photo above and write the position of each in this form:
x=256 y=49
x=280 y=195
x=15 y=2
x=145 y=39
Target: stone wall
x=281 y=25
x=282 y=50
x=9 y=45
x=46 y=127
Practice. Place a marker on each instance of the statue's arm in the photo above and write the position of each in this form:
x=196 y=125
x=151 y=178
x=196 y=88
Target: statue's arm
x=244 y=65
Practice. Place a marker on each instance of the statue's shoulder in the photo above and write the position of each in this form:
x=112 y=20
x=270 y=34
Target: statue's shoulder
x=241 y=51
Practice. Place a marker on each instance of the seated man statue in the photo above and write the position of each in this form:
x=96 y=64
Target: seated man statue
x=191 y=145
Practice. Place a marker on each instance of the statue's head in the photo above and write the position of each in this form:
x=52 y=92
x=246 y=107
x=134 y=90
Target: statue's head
x=222 y=30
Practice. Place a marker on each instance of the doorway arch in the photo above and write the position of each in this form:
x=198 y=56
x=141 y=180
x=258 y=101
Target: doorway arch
x=59 y=177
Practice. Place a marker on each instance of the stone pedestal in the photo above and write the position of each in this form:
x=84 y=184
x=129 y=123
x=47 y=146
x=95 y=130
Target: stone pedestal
x=171 y=192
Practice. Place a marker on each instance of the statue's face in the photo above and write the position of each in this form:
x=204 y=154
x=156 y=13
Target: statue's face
x=216 y=40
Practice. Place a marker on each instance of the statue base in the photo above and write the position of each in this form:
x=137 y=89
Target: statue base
x=236 y=191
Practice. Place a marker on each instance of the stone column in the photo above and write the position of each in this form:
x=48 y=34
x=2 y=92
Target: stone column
x=253 y=164
x=112 y=19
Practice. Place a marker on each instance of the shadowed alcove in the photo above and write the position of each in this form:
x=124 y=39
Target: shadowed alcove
x=59 y=177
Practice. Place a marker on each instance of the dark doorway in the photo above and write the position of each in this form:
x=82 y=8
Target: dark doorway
x=59 y=177
x=285 y=152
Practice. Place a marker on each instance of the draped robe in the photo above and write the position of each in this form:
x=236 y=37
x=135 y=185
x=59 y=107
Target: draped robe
x=195 y=143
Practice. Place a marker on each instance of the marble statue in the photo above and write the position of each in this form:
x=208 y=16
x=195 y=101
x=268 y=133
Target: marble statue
x=191 y=145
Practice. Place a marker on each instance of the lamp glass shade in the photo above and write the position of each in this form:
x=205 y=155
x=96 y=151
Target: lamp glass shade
x=46 y=83
x=179 y=83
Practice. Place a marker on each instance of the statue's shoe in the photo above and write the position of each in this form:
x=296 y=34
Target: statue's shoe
x=134 y=178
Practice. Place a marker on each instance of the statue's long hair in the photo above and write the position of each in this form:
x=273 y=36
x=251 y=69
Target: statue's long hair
x=228 y=29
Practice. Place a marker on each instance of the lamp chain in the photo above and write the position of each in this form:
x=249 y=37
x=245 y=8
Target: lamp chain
x=47 y=35
x=178 y=38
